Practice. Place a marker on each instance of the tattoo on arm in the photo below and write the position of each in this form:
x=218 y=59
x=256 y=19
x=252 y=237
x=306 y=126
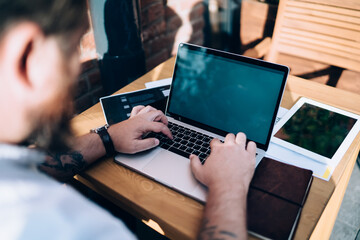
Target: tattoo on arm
x=64 y=165
x=212 y=232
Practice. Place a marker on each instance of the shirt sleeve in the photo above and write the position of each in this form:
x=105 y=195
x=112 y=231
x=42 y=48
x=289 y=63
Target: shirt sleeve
x=41 y=208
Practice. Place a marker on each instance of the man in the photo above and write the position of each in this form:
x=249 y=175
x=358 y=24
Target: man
x=39 y=63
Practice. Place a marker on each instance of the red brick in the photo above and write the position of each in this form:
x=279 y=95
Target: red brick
x=147 y=48
x=83 y=103
x=155 y=45
x=197 y=11
x=153 y=30
x=169 y=12
x=96 y=94
x=198 y=25
x=145 y=3
x=152 y=13
x=173 y=24
x=88 y=65
x=197 y=38
x=155 y=60
x=158 y=44
x=170 y=36
x=81 y=87
x=94 y=78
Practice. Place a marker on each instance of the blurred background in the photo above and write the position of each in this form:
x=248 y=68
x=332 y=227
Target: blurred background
x=127 y=38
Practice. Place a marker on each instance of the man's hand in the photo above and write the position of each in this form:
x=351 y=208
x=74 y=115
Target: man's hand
x=230 y=163
x=127 y=136
x=227 y=172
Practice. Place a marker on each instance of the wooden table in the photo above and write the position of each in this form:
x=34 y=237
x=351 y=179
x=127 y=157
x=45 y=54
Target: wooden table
x=179 y=217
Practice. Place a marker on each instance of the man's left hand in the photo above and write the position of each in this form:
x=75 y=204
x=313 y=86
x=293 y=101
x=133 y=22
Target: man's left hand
x=127 y=135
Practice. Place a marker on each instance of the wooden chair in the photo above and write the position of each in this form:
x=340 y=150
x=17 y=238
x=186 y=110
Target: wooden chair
x=326 y=31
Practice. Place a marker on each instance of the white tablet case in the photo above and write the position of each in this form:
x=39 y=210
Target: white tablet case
x=317 y=157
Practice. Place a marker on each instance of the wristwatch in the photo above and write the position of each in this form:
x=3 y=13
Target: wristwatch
x=105 y=138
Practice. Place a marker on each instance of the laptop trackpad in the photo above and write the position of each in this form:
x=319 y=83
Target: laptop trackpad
x=173 y=170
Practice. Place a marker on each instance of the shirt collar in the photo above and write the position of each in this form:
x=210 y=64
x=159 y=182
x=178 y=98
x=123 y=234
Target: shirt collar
x=20 y=155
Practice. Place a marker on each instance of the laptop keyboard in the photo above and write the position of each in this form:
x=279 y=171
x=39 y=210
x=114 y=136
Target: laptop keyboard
x=185 y=142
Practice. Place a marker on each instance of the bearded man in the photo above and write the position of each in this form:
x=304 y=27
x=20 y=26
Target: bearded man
x=39 y=64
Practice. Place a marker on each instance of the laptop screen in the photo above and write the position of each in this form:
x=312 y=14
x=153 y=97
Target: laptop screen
x=226 y=92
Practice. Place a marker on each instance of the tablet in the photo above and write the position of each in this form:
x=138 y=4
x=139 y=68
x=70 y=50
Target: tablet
x=316 y=130
x=117 y=108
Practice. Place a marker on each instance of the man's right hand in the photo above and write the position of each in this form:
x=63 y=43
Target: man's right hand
x=227 y=172
x=230 y=163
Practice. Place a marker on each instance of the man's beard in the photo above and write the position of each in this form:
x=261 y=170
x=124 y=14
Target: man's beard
x=52 y=135
x=52 y=132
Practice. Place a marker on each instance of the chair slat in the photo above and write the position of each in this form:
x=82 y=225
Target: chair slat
x=320 y=42
x=321 y=49
x=325 y=21
x=325 y=8
x=315 y=35
x=330 y=59
x=350 y=4
x=324 y=14
x=353 y=35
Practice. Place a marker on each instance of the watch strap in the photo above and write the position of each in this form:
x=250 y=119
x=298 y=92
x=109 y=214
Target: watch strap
x=106 y=139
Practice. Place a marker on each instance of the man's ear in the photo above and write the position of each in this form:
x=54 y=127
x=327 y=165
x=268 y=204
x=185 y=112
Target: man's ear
x=16 y=47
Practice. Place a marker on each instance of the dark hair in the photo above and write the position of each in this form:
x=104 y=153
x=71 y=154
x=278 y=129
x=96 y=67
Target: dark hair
x=54 y=17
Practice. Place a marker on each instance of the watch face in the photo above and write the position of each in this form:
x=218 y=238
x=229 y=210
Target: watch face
x=99 y=129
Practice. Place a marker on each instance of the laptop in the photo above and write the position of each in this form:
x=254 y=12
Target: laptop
x=212 y=93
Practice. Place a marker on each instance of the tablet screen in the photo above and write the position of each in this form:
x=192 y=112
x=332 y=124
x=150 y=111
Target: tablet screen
x=118 y=107
x=316 y=129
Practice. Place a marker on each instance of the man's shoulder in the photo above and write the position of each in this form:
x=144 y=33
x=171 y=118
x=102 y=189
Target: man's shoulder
x=41 y=203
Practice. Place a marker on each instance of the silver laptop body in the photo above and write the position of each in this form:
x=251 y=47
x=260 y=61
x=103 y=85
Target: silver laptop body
x=212 y=93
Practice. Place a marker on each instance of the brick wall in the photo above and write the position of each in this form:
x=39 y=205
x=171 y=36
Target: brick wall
x=167 y=23
x=89 y=88
x=164 y=24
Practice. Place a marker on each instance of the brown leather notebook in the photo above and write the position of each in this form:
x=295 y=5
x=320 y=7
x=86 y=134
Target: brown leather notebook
x=276 y=196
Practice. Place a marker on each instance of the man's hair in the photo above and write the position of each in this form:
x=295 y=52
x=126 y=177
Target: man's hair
x=54 y=17
x=62 y=19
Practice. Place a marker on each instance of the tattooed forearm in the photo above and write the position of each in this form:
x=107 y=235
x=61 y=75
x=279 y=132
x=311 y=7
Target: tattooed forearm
x=63 y=166
x=212 y=232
